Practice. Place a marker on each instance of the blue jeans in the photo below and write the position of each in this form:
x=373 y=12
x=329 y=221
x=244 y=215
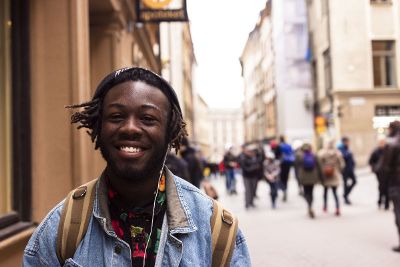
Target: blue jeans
x=348 y=176
x=284 y=176
x=273 y=191
x=230 y=180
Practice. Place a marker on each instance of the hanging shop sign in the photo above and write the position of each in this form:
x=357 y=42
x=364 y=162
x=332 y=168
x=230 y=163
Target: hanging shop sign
x=161 y=10
x=320 y=124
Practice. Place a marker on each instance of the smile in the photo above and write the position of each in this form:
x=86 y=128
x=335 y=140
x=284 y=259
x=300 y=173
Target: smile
x=130 y=149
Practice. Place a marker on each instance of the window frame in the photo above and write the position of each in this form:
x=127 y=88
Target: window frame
x=381 y=55
x=20 y=218
x=325 y=7
x=381 y=2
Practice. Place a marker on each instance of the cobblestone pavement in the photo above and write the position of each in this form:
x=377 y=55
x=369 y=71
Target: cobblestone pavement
x=362 y=236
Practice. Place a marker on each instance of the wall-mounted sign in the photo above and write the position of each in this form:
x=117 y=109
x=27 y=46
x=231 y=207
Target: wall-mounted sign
x=384 y=115
x=161 y=10
x=357 y=101
x=383 y=122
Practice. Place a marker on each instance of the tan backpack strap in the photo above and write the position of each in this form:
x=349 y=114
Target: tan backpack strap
x=224 y=227
x=74 y=221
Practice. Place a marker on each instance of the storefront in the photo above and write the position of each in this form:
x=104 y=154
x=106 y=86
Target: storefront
x=5 y=107
x=384 y=115
x=54 y=53
x=15 y=153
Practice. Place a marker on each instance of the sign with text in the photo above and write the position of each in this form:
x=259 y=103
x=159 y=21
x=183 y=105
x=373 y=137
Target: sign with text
x=161 y=10
x=393 y=110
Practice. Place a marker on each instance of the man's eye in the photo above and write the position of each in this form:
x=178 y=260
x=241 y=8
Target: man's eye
x=148 y=119
x=115 y=117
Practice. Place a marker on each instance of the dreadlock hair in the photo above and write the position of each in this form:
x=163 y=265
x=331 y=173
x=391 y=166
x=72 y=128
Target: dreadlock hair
x=90 y=116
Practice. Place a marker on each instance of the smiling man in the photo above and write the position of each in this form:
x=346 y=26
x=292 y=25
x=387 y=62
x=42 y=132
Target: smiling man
x=139 y=214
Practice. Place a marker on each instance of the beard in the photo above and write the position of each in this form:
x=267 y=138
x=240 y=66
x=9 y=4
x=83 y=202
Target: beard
x=129 y=171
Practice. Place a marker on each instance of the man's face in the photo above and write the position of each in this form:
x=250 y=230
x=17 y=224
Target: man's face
x=133 y=130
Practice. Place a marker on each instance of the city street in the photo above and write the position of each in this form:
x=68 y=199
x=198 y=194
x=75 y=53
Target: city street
x=361 y=236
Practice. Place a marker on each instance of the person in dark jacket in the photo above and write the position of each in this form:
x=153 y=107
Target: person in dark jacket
x=230 y=163
x=194 y=164
x=178 y=166
x=374 y=160
x=252 y=168
x=349 y=177
x=390 y=170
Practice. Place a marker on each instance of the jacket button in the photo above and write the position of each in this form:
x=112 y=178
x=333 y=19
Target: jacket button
x=117 y=249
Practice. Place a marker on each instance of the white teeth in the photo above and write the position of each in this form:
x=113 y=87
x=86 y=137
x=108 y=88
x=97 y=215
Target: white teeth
x=130 y=149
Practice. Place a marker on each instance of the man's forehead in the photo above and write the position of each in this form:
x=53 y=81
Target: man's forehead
x=139 y=91
x=136 y=87
x=137 y=74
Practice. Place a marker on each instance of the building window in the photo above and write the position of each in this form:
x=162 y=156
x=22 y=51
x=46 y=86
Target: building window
x=383 y=60
x=15 y=153
x=327 y=71
x=324 y=7
x=381 y=1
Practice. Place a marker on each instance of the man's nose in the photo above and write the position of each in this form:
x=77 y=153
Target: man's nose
x=131 y=126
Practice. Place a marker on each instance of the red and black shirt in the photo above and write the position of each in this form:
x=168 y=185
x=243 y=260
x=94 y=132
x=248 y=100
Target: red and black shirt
x=132 y=224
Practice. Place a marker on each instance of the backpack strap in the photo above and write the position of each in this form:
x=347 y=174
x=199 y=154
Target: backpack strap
x=224 y=227
x=74 y=221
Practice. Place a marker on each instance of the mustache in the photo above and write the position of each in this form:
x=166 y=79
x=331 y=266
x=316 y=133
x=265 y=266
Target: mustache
x=129 y=137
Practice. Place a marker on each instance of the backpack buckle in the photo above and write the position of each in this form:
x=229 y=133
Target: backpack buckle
x=80 y=192
x=227 y=217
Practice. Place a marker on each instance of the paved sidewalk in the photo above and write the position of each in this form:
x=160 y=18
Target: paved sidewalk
x=362 y=236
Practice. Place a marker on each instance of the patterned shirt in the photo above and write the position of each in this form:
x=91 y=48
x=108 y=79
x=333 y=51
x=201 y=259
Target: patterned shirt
x=133 y=224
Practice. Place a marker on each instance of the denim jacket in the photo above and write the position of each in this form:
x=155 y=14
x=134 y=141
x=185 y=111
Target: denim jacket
x=185 y=235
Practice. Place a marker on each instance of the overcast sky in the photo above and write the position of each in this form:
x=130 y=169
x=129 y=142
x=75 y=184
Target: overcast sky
x=219 y=30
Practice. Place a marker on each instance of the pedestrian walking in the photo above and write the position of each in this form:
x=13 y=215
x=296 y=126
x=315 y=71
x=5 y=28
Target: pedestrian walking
x=348 y=174
x=271 y=175
x=390 y=171
x=287 y=157
x=331 y=164
x=297 y=145
x=274 y=146
x=260 y=154
x=252 y=168
x=230 y=163
x=195 y=166
x=374 y=160
x=308 y=171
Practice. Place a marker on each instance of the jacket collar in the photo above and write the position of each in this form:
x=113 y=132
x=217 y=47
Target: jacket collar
x=179 y=217
x=178 y=214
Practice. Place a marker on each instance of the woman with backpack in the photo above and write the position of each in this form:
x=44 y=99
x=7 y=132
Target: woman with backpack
x=331 y=162
x=307 y=166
